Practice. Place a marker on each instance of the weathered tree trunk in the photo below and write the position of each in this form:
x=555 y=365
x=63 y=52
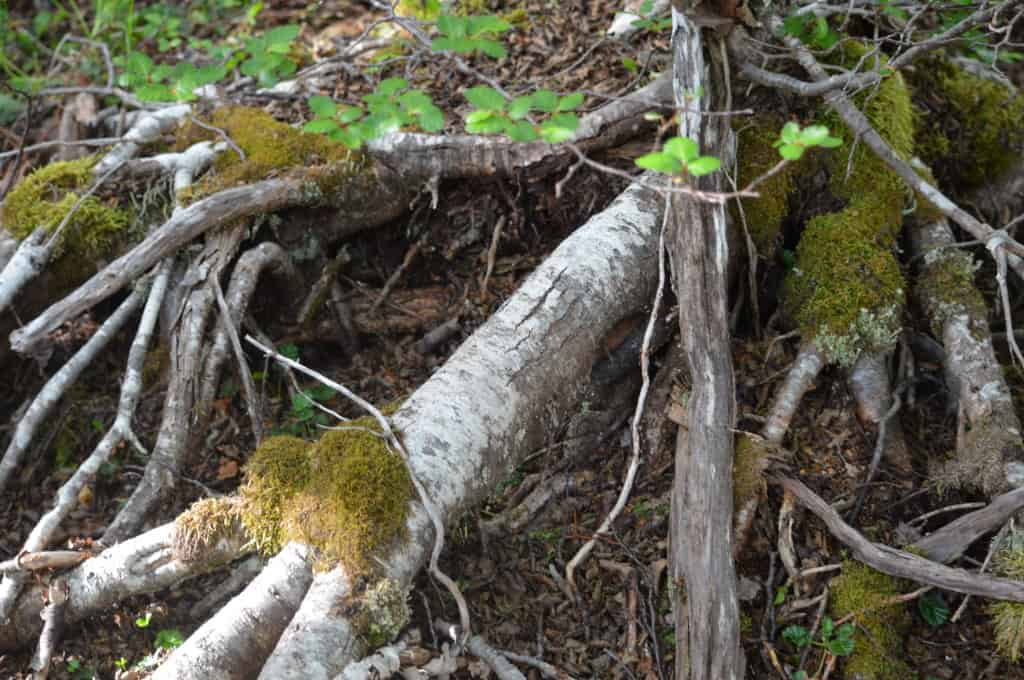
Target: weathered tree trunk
x=708 y=648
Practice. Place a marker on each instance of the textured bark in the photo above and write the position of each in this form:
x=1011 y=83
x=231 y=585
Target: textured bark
x=951 y=541
x=701 y=519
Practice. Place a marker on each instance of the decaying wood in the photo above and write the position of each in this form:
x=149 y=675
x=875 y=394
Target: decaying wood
x=948 y=543
x=701 y=515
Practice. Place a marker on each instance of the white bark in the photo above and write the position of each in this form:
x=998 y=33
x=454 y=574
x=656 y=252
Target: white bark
x=146 y=129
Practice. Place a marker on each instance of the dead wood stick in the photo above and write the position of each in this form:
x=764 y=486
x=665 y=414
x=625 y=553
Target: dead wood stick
x=949 y=542
x=899 y=563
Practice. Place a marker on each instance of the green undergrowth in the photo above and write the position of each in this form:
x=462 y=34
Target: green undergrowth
x=763 y=215
x=861 y=591
x=346 y=494
x=1008 y=617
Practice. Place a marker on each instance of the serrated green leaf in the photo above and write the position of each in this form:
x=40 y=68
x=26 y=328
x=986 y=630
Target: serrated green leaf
x=830 y=142
x=491 y=125
x=840 y=646
x=281 y=34
x=827 y=628
x=791 y=152
x=798 y=636
x=521 y=131
x=554 y=134
x=479 y=116
x=682 y=148
x=812 y=135
x=347 y=136
x=571 y=102
x=486 y=98
x=703 y=165
x=569 y=121
x=322 y=107
x=155 y=93
x=660 y=162
x=431 y=118
x=933 y=608
x=390 y=86
x=320 y=126
x=544 y=100
x=442 y=44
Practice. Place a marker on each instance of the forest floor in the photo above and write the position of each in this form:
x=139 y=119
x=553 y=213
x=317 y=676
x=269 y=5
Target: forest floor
x=620 y=626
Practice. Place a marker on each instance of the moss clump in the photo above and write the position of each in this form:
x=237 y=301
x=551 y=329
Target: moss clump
x=381 y=613
x=271 y=148
x=749 y=461
x=846 y=290
x=277 y=470
x=347 y=494
x=199 y=529
x=975 y=127
x=1008 y=617
x=945 y=287
x=862 y=591
x=44 y=198
x=357 y=498
x=763 y=215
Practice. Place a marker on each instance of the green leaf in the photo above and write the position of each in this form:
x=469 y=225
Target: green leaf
x=169 y=639
x=491 y=125
x=282 y=34
x=842 y=644
x=571 y=102
x=322 y=107
x=350 y=114
x=830 y=142
x=553 y=133
x=431 y=118
x=452 y=26
x=812 y=135
x=544 y=100
x=289 y=351
x=390 y=86
x=703 y=165
x=780 y=595
x=521 y=131
x=349 y=136
x=933 y=608
x=791 y=152
x=630 y=64
x=321 y=126
x=155 y=93
x=486 y=98
x=798 y=636
x=683 y=148
x=827 y=627
x=491 y=48
x=519 y=107
x=660 y=162
x=486 y=24
x=569 y=121
x=479 y=116
x=790 y=133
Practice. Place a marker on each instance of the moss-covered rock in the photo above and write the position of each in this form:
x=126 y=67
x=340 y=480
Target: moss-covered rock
x=381 y=613
x=348 y=494
x=272 y=148
x=975 y=125
x=877 y=651
x=44 y=198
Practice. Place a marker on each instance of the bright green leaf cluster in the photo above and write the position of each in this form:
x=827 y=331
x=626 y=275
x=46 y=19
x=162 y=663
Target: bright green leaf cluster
x=493 y=115
x=164 y=82
x=267 y=55
x=836 y=640
x=811 y=30
x=679 y=155
x=389 y=108
x=648 y=21
x=466 y=35
x=793 y=140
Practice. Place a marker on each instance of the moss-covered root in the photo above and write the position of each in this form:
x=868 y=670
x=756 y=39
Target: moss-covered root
x=348 y=495
x=1008 y=617
x=750 y=460
x=877 y=651
x=989 y=456
x=206 y=525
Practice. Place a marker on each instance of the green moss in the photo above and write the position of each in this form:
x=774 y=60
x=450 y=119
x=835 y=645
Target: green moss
x=357 y=498
x=846 y=290
x=198 y=530
x=877 y=649
x=945 y=287
x=44 y=198
x=975 y=126
x=1008 y=617
x=749 y=461
x=272 y=148
x=347 y=494
x=763 y=215
x=277 y=470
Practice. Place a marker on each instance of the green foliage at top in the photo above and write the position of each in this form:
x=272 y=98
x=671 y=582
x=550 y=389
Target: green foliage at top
x=495 y=115
x=975 y=128
x=44 y=198
x=877 y=653
x=391 y=107
x=347 y=494
x=794 y=141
